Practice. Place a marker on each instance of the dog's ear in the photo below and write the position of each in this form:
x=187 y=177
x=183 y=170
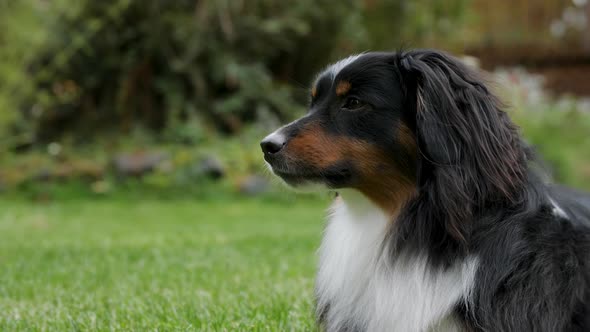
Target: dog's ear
x=470 y=152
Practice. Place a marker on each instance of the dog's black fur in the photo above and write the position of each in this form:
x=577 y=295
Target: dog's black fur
x=476 y=193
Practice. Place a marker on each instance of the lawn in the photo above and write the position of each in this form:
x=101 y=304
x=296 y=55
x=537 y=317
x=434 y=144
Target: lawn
x=131 y=265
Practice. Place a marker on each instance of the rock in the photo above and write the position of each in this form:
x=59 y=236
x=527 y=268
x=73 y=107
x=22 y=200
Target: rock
x=211 y=167
x=79 y=170
x=70 y=170
x=253 y=185
x=42 y=175
x=138 y=163
x=64 y=172
x=88 y=169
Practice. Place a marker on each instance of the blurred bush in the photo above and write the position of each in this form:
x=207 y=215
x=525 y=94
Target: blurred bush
x=182 y=69
x=110 y=66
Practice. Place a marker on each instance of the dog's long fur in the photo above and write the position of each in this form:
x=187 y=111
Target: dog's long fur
x=441 y=223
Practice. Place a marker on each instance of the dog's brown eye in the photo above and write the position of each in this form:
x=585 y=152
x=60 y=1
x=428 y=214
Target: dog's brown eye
x=353 y=104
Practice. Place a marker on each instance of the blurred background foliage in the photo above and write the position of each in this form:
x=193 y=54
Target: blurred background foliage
x=170 y=93
x=94 y=67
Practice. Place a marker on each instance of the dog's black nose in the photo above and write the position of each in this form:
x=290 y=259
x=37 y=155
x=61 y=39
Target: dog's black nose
x=272 y=143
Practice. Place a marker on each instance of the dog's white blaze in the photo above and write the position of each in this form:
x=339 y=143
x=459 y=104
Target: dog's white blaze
x=361 y=284
x=335 y=68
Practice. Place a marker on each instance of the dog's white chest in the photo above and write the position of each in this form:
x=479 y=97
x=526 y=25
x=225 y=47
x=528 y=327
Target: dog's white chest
x=365 y=289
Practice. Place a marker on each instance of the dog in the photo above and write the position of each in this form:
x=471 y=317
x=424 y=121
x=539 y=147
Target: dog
x=441 y=222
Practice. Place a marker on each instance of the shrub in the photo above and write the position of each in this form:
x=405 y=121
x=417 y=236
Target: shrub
x=183 y=68
x=113 y=65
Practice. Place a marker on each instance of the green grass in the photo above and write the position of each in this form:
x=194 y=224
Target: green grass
x=233 y=265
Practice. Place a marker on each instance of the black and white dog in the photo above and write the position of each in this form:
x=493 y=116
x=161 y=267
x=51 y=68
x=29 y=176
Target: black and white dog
x=440 y=224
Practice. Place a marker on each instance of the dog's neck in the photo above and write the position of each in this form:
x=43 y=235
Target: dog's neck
x=360 y=204
x=361 y=286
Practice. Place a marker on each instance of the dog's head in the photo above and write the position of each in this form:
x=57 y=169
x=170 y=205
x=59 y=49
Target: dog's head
x=400 y=125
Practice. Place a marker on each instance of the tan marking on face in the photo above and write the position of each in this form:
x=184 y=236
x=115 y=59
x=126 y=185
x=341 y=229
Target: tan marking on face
x=342 y=88
x=376 y=173
x=314 y=92
x=315 y=148
x=380 y=179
